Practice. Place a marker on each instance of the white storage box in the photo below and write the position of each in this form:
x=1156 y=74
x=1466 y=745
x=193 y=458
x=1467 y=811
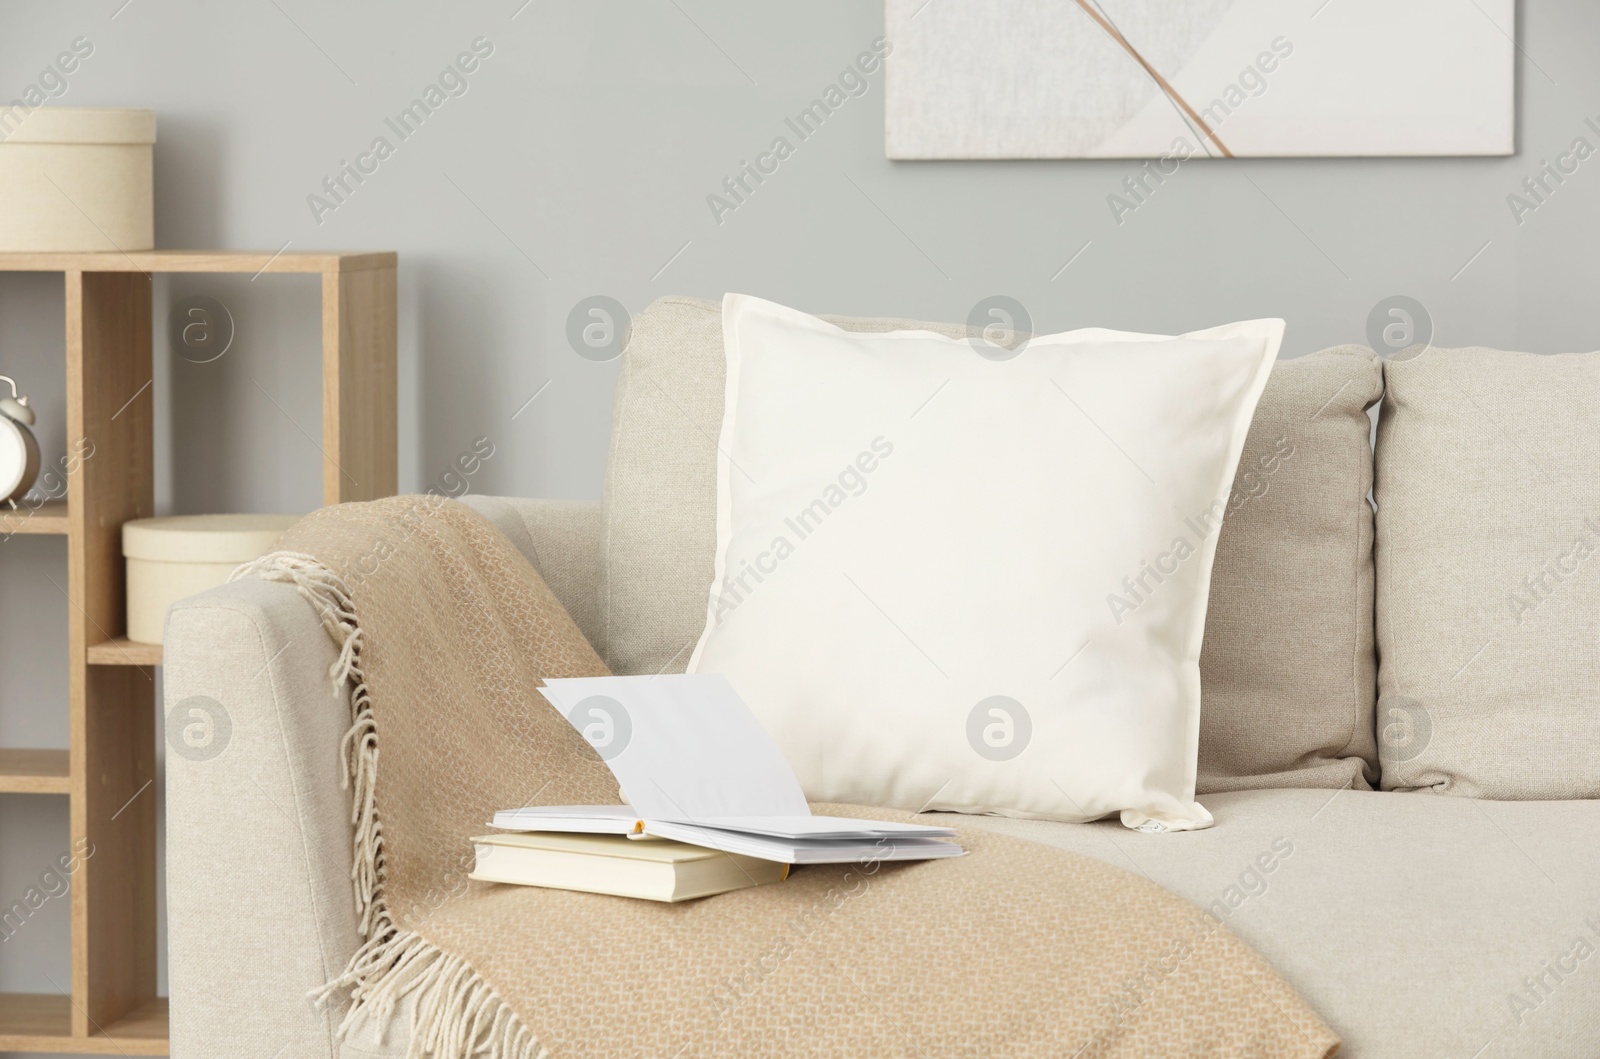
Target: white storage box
x=76 y=178
x=171 y=558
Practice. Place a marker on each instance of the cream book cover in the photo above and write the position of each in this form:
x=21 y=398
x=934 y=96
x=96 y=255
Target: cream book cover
x=649 y=868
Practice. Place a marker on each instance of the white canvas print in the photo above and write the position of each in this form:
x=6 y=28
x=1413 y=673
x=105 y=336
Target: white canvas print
x=1199 y=78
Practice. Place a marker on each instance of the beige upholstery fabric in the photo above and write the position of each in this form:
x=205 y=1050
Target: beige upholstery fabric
x=1409 y=922
x=1488 y=580
x=258 y=836
x=1287 y=669
x=561 y=538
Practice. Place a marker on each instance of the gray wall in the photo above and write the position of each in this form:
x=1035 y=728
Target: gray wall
x=579 y=161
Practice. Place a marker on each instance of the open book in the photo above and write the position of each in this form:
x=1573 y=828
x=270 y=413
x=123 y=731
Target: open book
x=696 y=766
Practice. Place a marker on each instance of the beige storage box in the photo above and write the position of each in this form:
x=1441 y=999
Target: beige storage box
x=172 y=558
x=75 y=178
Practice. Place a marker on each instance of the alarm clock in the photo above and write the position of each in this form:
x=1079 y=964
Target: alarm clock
x=19 y=450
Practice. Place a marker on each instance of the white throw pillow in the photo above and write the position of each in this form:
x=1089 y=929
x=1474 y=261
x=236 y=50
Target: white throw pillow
x=952 y=578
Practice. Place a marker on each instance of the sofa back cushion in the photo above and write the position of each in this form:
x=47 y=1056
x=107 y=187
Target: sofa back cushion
x=1287 y=669
x=1488 y=580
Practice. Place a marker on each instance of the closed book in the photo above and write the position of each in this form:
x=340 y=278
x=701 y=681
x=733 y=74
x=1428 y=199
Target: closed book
x=647 y=868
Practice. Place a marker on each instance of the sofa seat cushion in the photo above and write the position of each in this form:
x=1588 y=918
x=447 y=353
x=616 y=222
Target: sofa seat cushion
x=1416 y=925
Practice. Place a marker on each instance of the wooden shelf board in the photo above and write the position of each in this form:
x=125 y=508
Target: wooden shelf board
x=35 y=772
x=251 y=261
x=43 y=1023
x=144 y=1032
x=124 y=652
x=48 y=517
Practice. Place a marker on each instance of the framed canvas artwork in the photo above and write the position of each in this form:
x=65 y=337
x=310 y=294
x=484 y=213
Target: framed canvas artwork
x=1197 y=78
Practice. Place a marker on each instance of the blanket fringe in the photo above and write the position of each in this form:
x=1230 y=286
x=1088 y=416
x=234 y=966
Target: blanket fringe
x=455 y=1014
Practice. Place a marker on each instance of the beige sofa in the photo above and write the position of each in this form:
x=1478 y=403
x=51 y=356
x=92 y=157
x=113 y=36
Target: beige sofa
x=1418 y=923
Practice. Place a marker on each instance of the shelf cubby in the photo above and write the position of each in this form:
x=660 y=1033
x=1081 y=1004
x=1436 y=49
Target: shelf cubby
x=42 y=1022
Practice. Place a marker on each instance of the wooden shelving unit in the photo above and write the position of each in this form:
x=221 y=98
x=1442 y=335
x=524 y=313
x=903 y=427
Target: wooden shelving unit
x=113 y=1008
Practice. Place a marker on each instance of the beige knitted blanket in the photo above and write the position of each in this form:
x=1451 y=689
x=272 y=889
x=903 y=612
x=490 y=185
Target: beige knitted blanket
x=1016 y=950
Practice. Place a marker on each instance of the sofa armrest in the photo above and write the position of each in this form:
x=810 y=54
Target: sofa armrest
x=261 y=910
x=561 y=538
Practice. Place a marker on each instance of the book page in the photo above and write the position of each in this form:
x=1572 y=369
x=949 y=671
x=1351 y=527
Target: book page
x=683 y=746
x=822 y=827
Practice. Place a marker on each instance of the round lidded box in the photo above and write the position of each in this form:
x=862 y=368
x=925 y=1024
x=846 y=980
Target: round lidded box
x=76 y=179
x=182 y=555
